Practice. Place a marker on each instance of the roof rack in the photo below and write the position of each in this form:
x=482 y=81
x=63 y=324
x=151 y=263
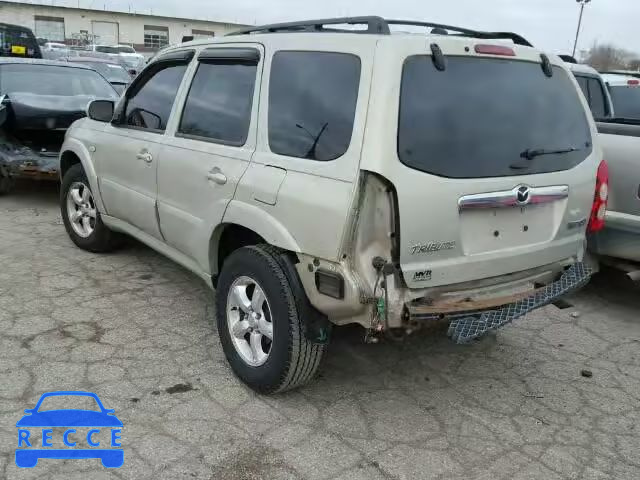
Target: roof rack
x=377 y=25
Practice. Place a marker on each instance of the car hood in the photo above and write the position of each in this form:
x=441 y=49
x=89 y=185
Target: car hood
x=69 y=418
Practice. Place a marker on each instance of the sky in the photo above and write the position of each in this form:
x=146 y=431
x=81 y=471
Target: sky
x=548 y=24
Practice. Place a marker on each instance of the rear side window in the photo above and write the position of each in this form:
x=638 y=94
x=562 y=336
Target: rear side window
x=626 y=101
x=150 y=105
x=312 y=103
x=595 y=95
x=597 y=99
x=479 y=117
x=219 y=103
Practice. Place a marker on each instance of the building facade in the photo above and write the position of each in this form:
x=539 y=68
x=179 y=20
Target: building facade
x=78 y=26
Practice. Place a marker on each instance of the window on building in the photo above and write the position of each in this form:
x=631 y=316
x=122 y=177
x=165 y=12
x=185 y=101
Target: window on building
x=312 y=103
x=50 y=28
x=155 y=36
x=219 y=103
x=202 y=34
x=151 y=103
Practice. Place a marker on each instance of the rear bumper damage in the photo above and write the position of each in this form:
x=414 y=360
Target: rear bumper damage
x=467 y=326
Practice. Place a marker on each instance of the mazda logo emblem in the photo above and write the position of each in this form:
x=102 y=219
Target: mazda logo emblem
x=523 y=195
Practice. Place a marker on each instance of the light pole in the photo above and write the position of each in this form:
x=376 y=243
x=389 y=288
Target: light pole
x=582 y=4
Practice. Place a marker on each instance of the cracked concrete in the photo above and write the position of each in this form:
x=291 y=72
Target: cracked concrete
x=138 y=330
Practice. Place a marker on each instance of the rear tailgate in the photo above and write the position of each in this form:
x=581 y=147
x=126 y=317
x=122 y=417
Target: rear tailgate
x=477 y=195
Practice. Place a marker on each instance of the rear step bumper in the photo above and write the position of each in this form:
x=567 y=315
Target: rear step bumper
x=468 y=326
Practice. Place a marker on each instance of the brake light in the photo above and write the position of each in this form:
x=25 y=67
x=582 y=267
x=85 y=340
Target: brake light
x=599 y=208
x=633 y=82
x=495 y=50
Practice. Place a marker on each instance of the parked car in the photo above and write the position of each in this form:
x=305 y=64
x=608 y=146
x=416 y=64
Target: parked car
x=39 y=99
x=115 y=73
x=625 y=94
x=17 y=41
x=105 y=51
x=630 y=73
x=594 y=89
x=133 y=60
x=316 y=176
x=618 y=243
x=620 y=239
x=55 y=51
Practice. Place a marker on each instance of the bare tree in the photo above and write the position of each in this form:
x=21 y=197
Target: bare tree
x=609 y=57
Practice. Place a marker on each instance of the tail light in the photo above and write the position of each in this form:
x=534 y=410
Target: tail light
x=599 y=208
x=495 y=50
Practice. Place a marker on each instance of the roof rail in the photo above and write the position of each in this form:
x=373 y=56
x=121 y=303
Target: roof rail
x=463 y=32
x=378 y=25
x=374 y=25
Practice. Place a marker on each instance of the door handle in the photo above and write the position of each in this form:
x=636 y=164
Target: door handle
x=216 y=176
x=146 y=156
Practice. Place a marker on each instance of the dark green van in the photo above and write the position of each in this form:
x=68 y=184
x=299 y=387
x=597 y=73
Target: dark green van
x=17 y=41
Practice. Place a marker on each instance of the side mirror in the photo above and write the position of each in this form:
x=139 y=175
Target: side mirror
x=101 y=110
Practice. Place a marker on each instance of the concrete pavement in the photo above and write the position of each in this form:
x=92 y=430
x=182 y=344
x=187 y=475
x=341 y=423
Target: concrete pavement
x=138 y=330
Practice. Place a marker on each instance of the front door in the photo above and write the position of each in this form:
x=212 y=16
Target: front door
x=128 y=151
x=214 y=140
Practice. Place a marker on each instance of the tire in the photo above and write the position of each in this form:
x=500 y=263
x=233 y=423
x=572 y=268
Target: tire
x=100 y=239
x=7 y=182
x=292 y=360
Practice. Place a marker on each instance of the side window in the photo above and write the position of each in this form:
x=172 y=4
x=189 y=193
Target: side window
x=312 y=103
x=583 y=82
x=151 y=103
x=597 y=99
x=219 y=103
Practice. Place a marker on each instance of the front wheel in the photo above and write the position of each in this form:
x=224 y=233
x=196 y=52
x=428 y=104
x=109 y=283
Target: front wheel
x=80 y=214
x=260 y=322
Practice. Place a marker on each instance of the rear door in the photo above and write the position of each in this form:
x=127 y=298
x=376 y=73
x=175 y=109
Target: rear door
x=479 y=192
x=215 y=136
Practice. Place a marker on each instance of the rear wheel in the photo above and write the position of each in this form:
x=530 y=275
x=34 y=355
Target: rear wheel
x=260 y=322
x=7 y=182
x=80 y=214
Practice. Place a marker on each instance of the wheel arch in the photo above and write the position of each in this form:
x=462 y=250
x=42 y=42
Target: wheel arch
x=245 y=225
x=74 y=152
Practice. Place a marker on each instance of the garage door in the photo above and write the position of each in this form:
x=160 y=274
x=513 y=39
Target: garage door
x=106 y=32
x=50 y=28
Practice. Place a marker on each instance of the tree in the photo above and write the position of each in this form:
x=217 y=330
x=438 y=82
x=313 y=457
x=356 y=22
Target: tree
x=605 y=57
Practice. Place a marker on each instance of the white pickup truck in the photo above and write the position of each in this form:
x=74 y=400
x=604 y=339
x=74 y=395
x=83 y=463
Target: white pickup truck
x=615 y=103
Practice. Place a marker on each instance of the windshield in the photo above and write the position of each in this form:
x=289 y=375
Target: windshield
x=103 y=49
x=125 y=49
x=626 y=101
x=478 y=117
x=53 y=80
x=113 y=73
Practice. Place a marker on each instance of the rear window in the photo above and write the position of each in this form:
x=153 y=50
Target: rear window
x=53 y=80
x=102 y=49
x=479 y=116
x=626 y=101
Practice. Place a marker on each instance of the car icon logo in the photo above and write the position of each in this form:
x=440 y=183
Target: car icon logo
x=523 y=195
x=103 y=428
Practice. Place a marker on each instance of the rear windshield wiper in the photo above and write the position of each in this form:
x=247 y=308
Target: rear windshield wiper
x=530 y=154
